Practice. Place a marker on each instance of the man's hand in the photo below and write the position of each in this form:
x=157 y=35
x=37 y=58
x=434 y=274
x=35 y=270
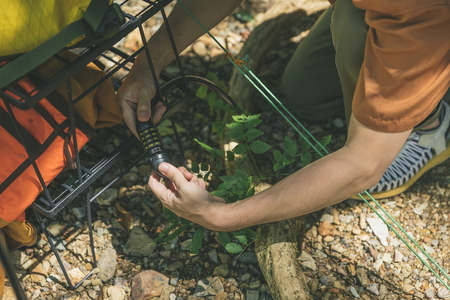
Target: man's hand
x=186 y=196
x=135 y=95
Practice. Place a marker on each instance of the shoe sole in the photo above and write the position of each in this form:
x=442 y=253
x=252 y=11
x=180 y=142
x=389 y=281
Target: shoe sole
x=436 y=160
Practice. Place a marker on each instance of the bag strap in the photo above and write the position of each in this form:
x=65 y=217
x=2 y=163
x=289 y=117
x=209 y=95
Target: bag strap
x=30 y=60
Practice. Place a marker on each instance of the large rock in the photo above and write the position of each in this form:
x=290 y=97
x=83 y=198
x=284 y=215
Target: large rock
x=139 y=243
x=148 y=284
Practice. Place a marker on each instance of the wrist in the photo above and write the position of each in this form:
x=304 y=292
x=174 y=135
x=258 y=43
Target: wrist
x=223 y=217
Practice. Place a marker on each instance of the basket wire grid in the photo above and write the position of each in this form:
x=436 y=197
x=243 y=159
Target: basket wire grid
x=118 y=63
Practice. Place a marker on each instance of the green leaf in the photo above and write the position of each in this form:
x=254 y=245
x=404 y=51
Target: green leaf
x=197 y=240
x=234 y=126
x=229 y=179
x=304 y=144
x=288 y=160
x=226 y=186
x=253 y=121
x=195 y=167
x=259 y=147
x=212 y=76
x=241 y=238
x=253 y=134
x=230 y=156
x=250 y=192
x=240 y=119
x=289 y=146
x=241 y=175
x=204 y=167
x=204 y=146
x=176 y=233
x=233 y=248
x=279 y=165
x=243 y=185
x=219 y=166
x=171 y=216
x=221 y=84
x=219 y=193
x=163 y=233
x=305 y=158
x=325 y=140
x=202 y=92
x=278 y=155
x=240 y=149
x=224 y=238
x=236 y=134
x=251 y=234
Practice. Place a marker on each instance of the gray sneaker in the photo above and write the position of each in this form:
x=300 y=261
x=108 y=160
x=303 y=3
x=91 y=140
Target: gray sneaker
x=423 y=150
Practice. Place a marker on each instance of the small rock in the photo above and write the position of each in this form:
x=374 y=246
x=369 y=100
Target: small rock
x=252 y=295
x=373 y=289
x=116 y=293
x=443 y=293
x=429 y=293
x=326 y=229
x=398 y=256
x=247 y=258
x=380 y=229
x=107 y=264
x=221 y=270
x=408 y=288
x=107 y=196
x=361 y=275
x=210 y=286
x=354 y=292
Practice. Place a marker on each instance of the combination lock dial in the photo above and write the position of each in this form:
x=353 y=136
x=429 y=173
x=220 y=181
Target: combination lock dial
x=152 y=143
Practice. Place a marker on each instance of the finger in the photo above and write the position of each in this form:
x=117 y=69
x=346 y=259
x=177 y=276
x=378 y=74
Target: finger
x=154 y=183
x=173 y=174
x=201 y=183
x=128 y=108
x=159 y=110
x=159 y=189
x=188 y=175
x=144 y=107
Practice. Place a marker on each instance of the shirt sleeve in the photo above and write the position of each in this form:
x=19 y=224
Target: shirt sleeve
x=406 y=68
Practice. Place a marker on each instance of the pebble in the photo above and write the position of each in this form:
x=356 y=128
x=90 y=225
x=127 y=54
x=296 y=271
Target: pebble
x=354 y=292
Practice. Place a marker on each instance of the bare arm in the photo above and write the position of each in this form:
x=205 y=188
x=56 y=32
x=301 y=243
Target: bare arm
x=352 y=169
x=138 y=89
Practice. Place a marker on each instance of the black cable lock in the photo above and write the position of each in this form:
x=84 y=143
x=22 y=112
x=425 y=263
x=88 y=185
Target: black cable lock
x=152 y=143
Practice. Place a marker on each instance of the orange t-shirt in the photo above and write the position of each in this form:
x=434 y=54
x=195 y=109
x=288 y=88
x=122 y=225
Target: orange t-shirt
x=406 y=68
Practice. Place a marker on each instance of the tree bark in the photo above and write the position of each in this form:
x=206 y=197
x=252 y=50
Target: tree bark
x=277 y=250
x=268 y=29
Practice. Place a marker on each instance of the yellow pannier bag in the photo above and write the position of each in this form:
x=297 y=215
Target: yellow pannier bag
x=25 y=24
x=35 y=30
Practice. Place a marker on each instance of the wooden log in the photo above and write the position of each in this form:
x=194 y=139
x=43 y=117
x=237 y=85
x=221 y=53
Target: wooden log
x=277 y=250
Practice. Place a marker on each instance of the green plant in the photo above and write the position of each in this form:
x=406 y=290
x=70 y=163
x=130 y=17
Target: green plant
x=240 y=184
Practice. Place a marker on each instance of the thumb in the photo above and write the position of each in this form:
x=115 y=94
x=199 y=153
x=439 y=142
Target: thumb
x=172 y=173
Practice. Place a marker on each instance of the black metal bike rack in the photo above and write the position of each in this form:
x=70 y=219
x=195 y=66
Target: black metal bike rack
x=49 y=204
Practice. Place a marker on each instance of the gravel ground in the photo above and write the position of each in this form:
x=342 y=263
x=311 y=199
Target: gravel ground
x=346 y=252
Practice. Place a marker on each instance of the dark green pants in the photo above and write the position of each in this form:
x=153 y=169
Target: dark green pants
x=321 y=77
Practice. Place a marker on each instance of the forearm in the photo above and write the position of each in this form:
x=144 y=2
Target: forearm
x=323 y=183
x=185 y=29
x=352 y=169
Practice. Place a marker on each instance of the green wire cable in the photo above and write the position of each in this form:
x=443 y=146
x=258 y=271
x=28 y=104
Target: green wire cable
x=262 y=89
x=258 y=85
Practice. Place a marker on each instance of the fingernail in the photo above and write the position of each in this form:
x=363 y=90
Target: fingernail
x=143 y=115
x=163 y=168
